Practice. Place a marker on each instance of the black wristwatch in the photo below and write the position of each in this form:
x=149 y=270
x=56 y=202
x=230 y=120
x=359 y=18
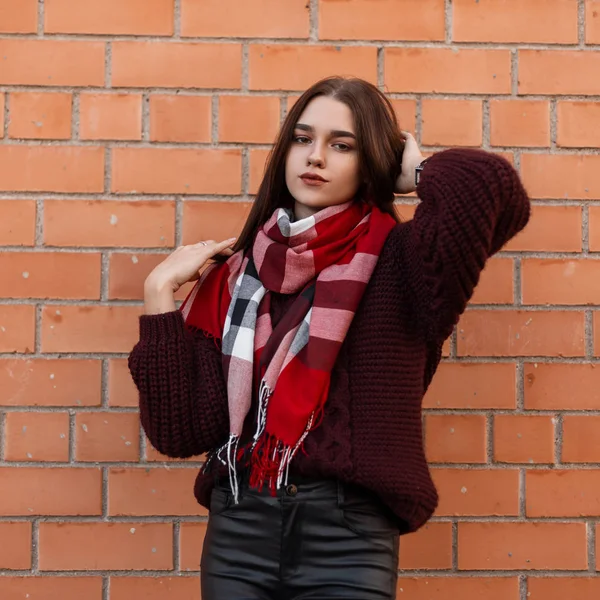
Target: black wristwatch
x=418 y=171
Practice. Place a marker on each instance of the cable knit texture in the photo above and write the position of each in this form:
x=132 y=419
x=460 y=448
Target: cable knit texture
x=472 y=203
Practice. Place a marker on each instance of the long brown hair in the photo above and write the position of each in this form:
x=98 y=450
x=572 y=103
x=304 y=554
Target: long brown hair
x=379 y=141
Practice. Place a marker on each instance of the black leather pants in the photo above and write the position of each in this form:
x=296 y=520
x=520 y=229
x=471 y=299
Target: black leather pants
x=314 y=540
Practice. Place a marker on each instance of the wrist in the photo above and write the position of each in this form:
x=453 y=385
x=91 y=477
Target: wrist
x=158 y=299
x=155 y=284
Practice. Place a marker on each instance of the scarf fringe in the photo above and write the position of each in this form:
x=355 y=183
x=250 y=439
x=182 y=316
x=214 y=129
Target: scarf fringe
x=269 y=457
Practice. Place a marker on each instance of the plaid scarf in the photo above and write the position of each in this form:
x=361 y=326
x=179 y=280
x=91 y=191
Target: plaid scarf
x=327 y=259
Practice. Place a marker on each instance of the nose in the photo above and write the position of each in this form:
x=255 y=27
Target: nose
x=316 y=157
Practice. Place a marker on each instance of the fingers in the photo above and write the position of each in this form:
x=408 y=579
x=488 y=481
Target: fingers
x=204 y=244
x=218 y=248
x=409 y=138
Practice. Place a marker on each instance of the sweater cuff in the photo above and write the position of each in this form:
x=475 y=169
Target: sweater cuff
x=161 y=326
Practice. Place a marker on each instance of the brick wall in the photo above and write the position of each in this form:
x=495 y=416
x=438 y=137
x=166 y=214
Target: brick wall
x=128 y=127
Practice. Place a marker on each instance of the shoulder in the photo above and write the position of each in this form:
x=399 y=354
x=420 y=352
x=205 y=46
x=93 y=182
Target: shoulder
x=396 y=240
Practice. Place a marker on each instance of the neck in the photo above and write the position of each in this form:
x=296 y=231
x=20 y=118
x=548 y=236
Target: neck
x=302 y=211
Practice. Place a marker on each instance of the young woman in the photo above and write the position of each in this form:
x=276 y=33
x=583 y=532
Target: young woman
x=300 y=359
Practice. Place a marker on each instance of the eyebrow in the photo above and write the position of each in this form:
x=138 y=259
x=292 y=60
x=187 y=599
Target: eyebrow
x=334 y=132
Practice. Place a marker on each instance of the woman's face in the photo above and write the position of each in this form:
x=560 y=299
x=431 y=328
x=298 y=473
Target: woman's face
x=321 y=167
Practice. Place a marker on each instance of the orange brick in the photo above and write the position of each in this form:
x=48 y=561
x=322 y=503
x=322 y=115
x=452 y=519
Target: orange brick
x=51 y=62
x=559 y=588
x=176 y=171
x=470 y=492
x=154 y=588
x=562 y=386
x=37 y=437
x=559 y=72
x=452 y=122
x=15 y=551
x=191 y=540
x=592 y=21
x=496 y=283
x=118 y=17
x=154 y=456
x=559 y=281
x=42 y=116
x=170 y=64
x=455 y=438
x=360 y=20
x=2 y=106
x=594 y=224
x=477 y=386
x=287 y=67
x=521 y=333
x=581 y=443
x=51 y=588
x=50 y=491
x=121 y=389
x=406 y=111
x=550 y=228
x=21 y=20
x=104 y=546
x=213 y=220
x=523 y=439
x=106 y=436
x=258 y=162
x=561 y=176
x=562 y=493
x=110 y=117
x=405 y=211
x=596 y=326
x=180 y=118
x=17 y=222
x=109 y=223
x=90 y=328
x=535 y=21
x=446 y=348
x=229 y=18
x=51 y=168
x=50 y=382
x=49 y=275
x=248 y=119
x=519 y=123
x=128 y=273
x=471 y=588
x=512 y=546
x=428 y=548
x=450 y=71
x=17 y=328
x=578 y=124
x=156 y=491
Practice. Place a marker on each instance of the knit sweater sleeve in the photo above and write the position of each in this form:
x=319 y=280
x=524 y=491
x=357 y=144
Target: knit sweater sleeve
x=182 y=390
x=472 y=203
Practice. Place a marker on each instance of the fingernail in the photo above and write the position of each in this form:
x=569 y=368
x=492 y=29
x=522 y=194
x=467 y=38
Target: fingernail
x=232 y=239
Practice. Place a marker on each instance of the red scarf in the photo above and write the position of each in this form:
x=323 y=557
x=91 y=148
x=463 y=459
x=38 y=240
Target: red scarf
x=327 y=259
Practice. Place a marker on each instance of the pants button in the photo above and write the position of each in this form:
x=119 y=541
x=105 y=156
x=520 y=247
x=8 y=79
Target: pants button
x=291 y=490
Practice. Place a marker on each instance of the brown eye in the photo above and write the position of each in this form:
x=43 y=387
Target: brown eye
x=342 y=147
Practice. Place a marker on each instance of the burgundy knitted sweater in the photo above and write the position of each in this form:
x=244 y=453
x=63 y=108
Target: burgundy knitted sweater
x=472 y=203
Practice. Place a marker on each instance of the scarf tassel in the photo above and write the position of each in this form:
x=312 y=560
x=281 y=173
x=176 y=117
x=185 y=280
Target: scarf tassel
x=269 y=457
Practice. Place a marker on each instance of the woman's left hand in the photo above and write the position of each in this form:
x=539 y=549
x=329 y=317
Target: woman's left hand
x=411 y=159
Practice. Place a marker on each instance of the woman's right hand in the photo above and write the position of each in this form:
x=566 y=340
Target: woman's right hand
x=181 y=266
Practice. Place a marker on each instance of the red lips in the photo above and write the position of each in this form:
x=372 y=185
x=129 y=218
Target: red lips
x=313 y=177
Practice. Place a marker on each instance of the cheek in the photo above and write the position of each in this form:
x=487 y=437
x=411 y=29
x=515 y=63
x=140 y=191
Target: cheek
x=351 y=174
x=292 y=160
